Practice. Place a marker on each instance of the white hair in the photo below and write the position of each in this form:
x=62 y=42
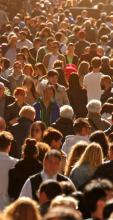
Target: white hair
x=27 y=112
x=94 y=106
x=66 y=111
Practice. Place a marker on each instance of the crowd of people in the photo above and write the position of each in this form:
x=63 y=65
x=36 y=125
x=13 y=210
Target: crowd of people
x=56 y=110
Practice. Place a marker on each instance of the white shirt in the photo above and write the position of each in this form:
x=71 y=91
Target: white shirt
x=70 y=140
x=6 y=163
x=27 y=189
x=25 y=43
x=92 y=84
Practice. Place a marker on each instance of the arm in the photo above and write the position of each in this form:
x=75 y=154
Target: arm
x=26 y=190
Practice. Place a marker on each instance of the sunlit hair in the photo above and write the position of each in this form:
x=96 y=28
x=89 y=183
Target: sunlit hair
x=21 y=209
x=41 y=67
x=26 y=66
x=74 y=154
x=67 y=202
x=92 y=155
x=43 y=149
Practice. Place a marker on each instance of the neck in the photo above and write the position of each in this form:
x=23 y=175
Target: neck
x=20 y=103
x=96 y=70
x=98 y=214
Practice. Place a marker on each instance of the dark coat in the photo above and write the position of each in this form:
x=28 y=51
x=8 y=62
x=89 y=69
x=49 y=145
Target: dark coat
x=20 y=132
x=107 y=94
x=80 y=46
x=65 y=126
x=74 y=60
x=20 y=173
x=8 y=100
x=105 y=171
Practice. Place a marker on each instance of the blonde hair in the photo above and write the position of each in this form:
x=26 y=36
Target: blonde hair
x=22 y=209
x=92 y=155
x=74 y=155
x=67 y=202
x=27 y=112
x=29 y=65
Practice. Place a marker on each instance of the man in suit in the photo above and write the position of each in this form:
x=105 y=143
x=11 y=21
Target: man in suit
x=51 y=167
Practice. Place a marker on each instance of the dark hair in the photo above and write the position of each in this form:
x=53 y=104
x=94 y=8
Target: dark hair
x=96 y=62
x=61 y=77
x=36 y=124
x=51 y=134
x=6 y=139
x=93 y=192
x=46 y=187
x=100 y=138
x=108 y=209
x=53 y=153
x=80 y=123
x=30 y=148
x=6 y=63
x=52 y=73
x=67 y=188
x=74 y=84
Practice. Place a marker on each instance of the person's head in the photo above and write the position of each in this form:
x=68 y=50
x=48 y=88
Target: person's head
x=96 y=193
x=25 y=51
x=49 y=92
x=61 y=213
x=37 y=43
x=17 y=66
x=92 y=155
x=100 y=138
x=39 y=70
x=106 y=82
x=74 y=155
x=82 y=127
x=28 y=70
x=29 y=86
x=66 y=111
x=45 y=193
x=52 y=162
x=19 y=94
x=52 y=76
x=2 y=124
x=100 y=51
x=83 y=68
x=105 y=61
x=6 y=139
x=22 y=35
x=55 y=47
x=96 y=63
x=67 y=188
x=81 y=35
x=2 y=89
x=49 y=42
x=5 y=63
x=27 y=112
x=23 y=208
x=66 y=202
x=21 y=58
x=29 y=148
x=70 y=48
x=93 y=47
x=37 y=130
x=43 y=149
x=53 y=137
x=94 y=106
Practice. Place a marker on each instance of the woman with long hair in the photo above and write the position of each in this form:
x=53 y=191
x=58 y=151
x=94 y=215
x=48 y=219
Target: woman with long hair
x=37 y=130
x=28 y=56
x=86 y=165
x=31 y=93
x=100 y=138
x=74 y=155
x=77 y=96
x=83 y=69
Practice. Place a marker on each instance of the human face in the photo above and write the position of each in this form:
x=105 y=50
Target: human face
x=20 y=97
x=37 y=133
x=56 y=144
x=53 y=80
x=17 y=68
x=52 y=166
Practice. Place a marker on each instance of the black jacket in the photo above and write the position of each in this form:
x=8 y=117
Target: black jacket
x=105 y=171
x=65 y=126
x=20 y=132
x=20 y=173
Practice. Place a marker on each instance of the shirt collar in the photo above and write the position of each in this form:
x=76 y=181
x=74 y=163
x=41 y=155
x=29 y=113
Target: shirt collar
x=46 y=177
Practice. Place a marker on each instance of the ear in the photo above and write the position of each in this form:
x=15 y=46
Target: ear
x=100 y=204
